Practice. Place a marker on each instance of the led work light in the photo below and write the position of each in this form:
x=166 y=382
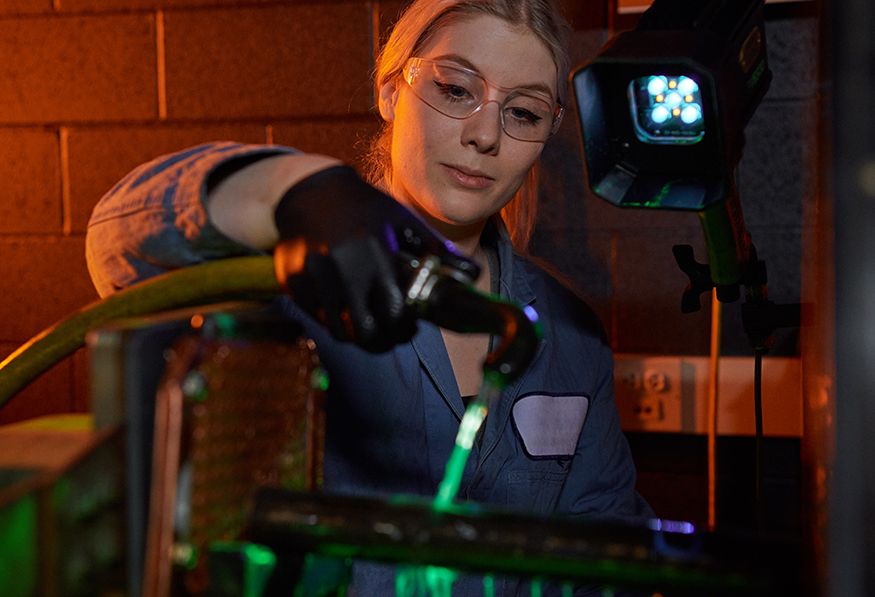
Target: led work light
x=662 y=108
x=662 y=111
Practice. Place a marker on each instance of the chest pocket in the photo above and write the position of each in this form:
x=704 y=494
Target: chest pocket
x=549 y=426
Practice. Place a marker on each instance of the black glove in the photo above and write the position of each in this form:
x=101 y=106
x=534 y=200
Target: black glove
x=346 y=253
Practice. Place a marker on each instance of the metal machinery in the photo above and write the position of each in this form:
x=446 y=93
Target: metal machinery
x=200 y=472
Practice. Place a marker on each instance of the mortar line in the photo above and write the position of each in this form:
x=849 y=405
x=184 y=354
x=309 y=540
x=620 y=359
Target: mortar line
x=66 y=205
x=374 y=40
x=160 y=65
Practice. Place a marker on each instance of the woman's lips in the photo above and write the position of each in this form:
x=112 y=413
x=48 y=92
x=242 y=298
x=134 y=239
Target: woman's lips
x=472 y=179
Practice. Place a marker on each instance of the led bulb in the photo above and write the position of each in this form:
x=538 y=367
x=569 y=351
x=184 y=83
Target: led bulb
x=656 y=86
x=691 y=113
x=687 y=86
x=660 y=114
x=673 y=99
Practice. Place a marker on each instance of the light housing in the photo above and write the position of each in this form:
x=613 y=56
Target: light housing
x=632 y=160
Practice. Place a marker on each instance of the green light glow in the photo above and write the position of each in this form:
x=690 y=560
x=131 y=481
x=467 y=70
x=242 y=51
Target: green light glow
x=259 y=562
x=488 y=586
x=319 y=379
x=449 y=487
x=226 y=325
x=452 y=476
x=18 y=549
x=259 y=555
x=184 y=554
x=439 y=581
x=434 y=581
x=424 y=581
x=471 y=421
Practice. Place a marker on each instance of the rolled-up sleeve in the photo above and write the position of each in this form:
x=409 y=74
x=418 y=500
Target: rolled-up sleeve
x=155 y=219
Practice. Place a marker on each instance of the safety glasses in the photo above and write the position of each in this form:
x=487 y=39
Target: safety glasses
x=458 y=92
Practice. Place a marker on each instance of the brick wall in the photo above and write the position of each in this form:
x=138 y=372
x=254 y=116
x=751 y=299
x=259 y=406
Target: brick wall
x=93 y=88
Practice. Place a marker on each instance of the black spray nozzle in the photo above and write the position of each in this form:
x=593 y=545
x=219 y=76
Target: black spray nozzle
x=445 y=301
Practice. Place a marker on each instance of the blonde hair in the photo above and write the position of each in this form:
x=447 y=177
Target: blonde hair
x=419 y=22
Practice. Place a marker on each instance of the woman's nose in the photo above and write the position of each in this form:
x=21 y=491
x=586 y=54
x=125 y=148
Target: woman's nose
x=483 y=129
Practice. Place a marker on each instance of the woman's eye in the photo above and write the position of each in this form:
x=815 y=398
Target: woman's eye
x=523 y=115
x=452 y=91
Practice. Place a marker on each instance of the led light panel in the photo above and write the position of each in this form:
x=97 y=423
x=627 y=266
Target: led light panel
x=666 y=110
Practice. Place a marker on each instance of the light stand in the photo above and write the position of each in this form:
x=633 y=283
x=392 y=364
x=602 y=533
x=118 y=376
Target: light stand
x=662 y=111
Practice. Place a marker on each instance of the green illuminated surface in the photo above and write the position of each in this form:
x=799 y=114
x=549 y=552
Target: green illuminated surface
x=600 y=570
x=321 y=576
x=18 y=548
x=488 y=586
x=430 y=581
x=226 y=325
x=435 y=581
x=319 y=380
x=259 y=562
x=657 y=201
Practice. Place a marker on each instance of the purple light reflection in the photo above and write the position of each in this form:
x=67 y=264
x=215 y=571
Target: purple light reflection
x=671 y=526
x=391 y=238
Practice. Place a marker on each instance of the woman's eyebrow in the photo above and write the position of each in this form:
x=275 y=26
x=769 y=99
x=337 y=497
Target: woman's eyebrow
x=464 y=62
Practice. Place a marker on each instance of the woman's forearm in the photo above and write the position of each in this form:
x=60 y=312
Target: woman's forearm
x=242 y=205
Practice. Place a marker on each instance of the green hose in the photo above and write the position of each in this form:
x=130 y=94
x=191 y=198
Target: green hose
x=250 y=278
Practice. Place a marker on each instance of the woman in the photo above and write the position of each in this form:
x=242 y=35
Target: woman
x=470 y=91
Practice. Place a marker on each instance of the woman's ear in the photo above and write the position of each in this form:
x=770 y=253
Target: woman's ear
x=388 y=98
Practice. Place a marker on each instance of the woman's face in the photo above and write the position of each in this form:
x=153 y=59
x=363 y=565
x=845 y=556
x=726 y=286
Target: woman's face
x=457 y=173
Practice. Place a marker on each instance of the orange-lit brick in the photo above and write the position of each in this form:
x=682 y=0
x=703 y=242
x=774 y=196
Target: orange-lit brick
x=112 y=5
x=347 y=139
x=273 y=61
x=390 y=11
x=100 y=157
x=25 y=7
x=44 y=280
x=30 y=199
x=50 y=393
x=99 y=67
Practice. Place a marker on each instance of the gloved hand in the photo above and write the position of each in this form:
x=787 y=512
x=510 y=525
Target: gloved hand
x=345 y=255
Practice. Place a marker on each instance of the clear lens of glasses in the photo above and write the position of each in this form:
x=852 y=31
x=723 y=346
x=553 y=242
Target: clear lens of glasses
x=458 y=93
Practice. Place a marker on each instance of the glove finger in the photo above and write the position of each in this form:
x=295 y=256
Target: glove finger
x=319 y=291
x=388 y=302
x=378 y=313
